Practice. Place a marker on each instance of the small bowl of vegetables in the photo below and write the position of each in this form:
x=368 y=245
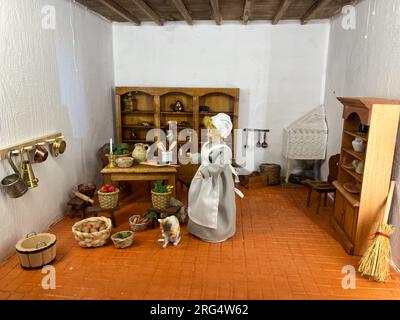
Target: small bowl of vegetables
x=122 y=239
x=138 y=223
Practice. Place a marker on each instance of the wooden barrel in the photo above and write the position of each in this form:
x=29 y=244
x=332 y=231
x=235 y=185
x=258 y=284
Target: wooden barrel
x=272 y=171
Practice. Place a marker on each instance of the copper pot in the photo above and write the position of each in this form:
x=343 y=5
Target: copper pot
x=40 y=153
x=57 y=146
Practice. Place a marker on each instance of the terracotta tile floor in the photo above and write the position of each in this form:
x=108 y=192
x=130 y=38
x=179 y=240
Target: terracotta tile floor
x=282 y=250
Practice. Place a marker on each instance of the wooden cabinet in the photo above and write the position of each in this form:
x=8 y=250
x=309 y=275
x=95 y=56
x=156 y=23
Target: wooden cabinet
x=152 y=109
x=356 y=214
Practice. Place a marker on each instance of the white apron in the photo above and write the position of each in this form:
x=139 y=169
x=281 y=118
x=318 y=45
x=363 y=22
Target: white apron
x=204 y=192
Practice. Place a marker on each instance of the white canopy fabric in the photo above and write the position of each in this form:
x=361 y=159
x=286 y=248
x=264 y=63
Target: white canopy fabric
x=306 y=138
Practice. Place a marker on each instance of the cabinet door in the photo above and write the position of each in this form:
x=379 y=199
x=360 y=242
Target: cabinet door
x=339 y=209
x=350 y=220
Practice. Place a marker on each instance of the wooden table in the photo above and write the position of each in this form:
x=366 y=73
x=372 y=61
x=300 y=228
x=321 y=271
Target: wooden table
x=141 y=173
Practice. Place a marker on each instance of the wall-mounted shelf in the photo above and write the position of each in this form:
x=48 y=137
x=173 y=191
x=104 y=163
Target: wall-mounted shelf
x=4 y=151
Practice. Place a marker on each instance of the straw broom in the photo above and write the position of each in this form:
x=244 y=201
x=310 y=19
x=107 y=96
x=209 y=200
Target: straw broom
x=375 y=263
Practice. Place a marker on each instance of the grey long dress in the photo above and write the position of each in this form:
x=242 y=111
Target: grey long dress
x=222 y=180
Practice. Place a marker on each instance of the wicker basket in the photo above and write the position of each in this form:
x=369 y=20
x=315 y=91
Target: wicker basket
x=138 y=227
x=272 y=171
x=122 y=243
x=108 y=200
x=124 y=162
x=160 y=200
x=96 y=239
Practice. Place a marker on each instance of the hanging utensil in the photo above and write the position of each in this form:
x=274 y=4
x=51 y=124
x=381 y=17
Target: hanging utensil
x=57 y=146
x=247 y=139
x=265 y=144
x=13 y=184
x=27 y=172
x=39 y=153
x=258 y=145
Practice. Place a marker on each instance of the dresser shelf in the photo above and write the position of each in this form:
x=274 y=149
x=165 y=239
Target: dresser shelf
x=356 y=216
x=153 y=104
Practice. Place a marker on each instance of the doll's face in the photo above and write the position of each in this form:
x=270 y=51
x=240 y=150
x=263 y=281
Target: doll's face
x=213 y=135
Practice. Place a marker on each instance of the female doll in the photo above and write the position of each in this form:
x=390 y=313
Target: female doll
x=212 y=208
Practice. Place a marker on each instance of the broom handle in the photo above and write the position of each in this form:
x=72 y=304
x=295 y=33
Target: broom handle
x=389 y=202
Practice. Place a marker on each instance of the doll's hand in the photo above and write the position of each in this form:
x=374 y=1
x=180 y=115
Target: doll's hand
x=198 y=176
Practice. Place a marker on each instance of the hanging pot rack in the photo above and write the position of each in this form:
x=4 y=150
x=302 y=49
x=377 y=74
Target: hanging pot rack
x=247 y=130
x=48 y=139
x=256 y=130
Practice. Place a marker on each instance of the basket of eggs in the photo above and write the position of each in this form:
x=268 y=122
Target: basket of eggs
x=92 y=232
x=108 y=196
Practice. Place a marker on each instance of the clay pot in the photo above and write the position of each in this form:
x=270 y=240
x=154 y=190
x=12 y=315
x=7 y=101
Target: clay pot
x=358 y=145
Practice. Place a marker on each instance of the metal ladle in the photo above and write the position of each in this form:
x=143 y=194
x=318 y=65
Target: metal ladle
x=247 y=139
x=258 y=145
x=265 y=144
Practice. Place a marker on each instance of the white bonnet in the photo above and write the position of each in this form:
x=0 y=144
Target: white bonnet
x=222 y=122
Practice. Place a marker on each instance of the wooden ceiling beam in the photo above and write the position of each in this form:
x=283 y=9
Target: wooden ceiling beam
x=180 y=6
x=313 y=9
x=248 y=6
x=149 y=11
x=216 y=11
x=281 y=11
x=122 y=12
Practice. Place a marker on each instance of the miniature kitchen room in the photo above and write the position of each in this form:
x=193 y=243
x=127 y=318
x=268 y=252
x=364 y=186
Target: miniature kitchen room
x=199 y=150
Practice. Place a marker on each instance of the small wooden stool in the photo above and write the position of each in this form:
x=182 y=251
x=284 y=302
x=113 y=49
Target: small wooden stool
x=78 y=205
x=96 y=210
x=162 y=213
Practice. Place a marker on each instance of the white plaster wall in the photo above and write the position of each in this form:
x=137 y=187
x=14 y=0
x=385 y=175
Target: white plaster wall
x=280 y=70
x=366 y=62
x=50 y=81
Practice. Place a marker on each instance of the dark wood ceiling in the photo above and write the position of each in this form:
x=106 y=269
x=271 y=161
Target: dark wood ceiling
x=161 y=11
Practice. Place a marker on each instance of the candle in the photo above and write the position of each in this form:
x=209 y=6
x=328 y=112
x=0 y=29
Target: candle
x=111 y=150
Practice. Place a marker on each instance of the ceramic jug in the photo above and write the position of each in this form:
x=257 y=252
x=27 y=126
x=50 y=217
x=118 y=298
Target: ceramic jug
x=358 y=166
x=140 y=152
x=358 y=145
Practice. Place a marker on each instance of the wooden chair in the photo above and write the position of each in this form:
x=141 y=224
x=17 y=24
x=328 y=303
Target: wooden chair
x=324 y=187
x=183 y=181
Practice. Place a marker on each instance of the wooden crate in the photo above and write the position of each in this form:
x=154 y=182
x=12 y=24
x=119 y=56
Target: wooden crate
x=254 y=180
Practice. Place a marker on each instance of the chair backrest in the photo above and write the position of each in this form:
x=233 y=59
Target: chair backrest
x=333 y=167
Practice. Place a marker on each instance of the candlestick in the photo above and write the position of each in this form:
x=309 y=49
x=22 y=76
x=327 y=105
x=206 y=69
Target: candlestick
x=111 y=161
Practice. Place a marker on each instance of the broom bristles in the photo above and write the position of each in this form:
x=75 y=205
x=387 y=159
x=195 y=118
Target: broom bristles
x=375 y=263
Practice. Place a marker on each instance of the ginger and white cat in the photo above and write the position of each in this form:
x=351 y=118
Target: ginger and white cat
x=170 y=231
